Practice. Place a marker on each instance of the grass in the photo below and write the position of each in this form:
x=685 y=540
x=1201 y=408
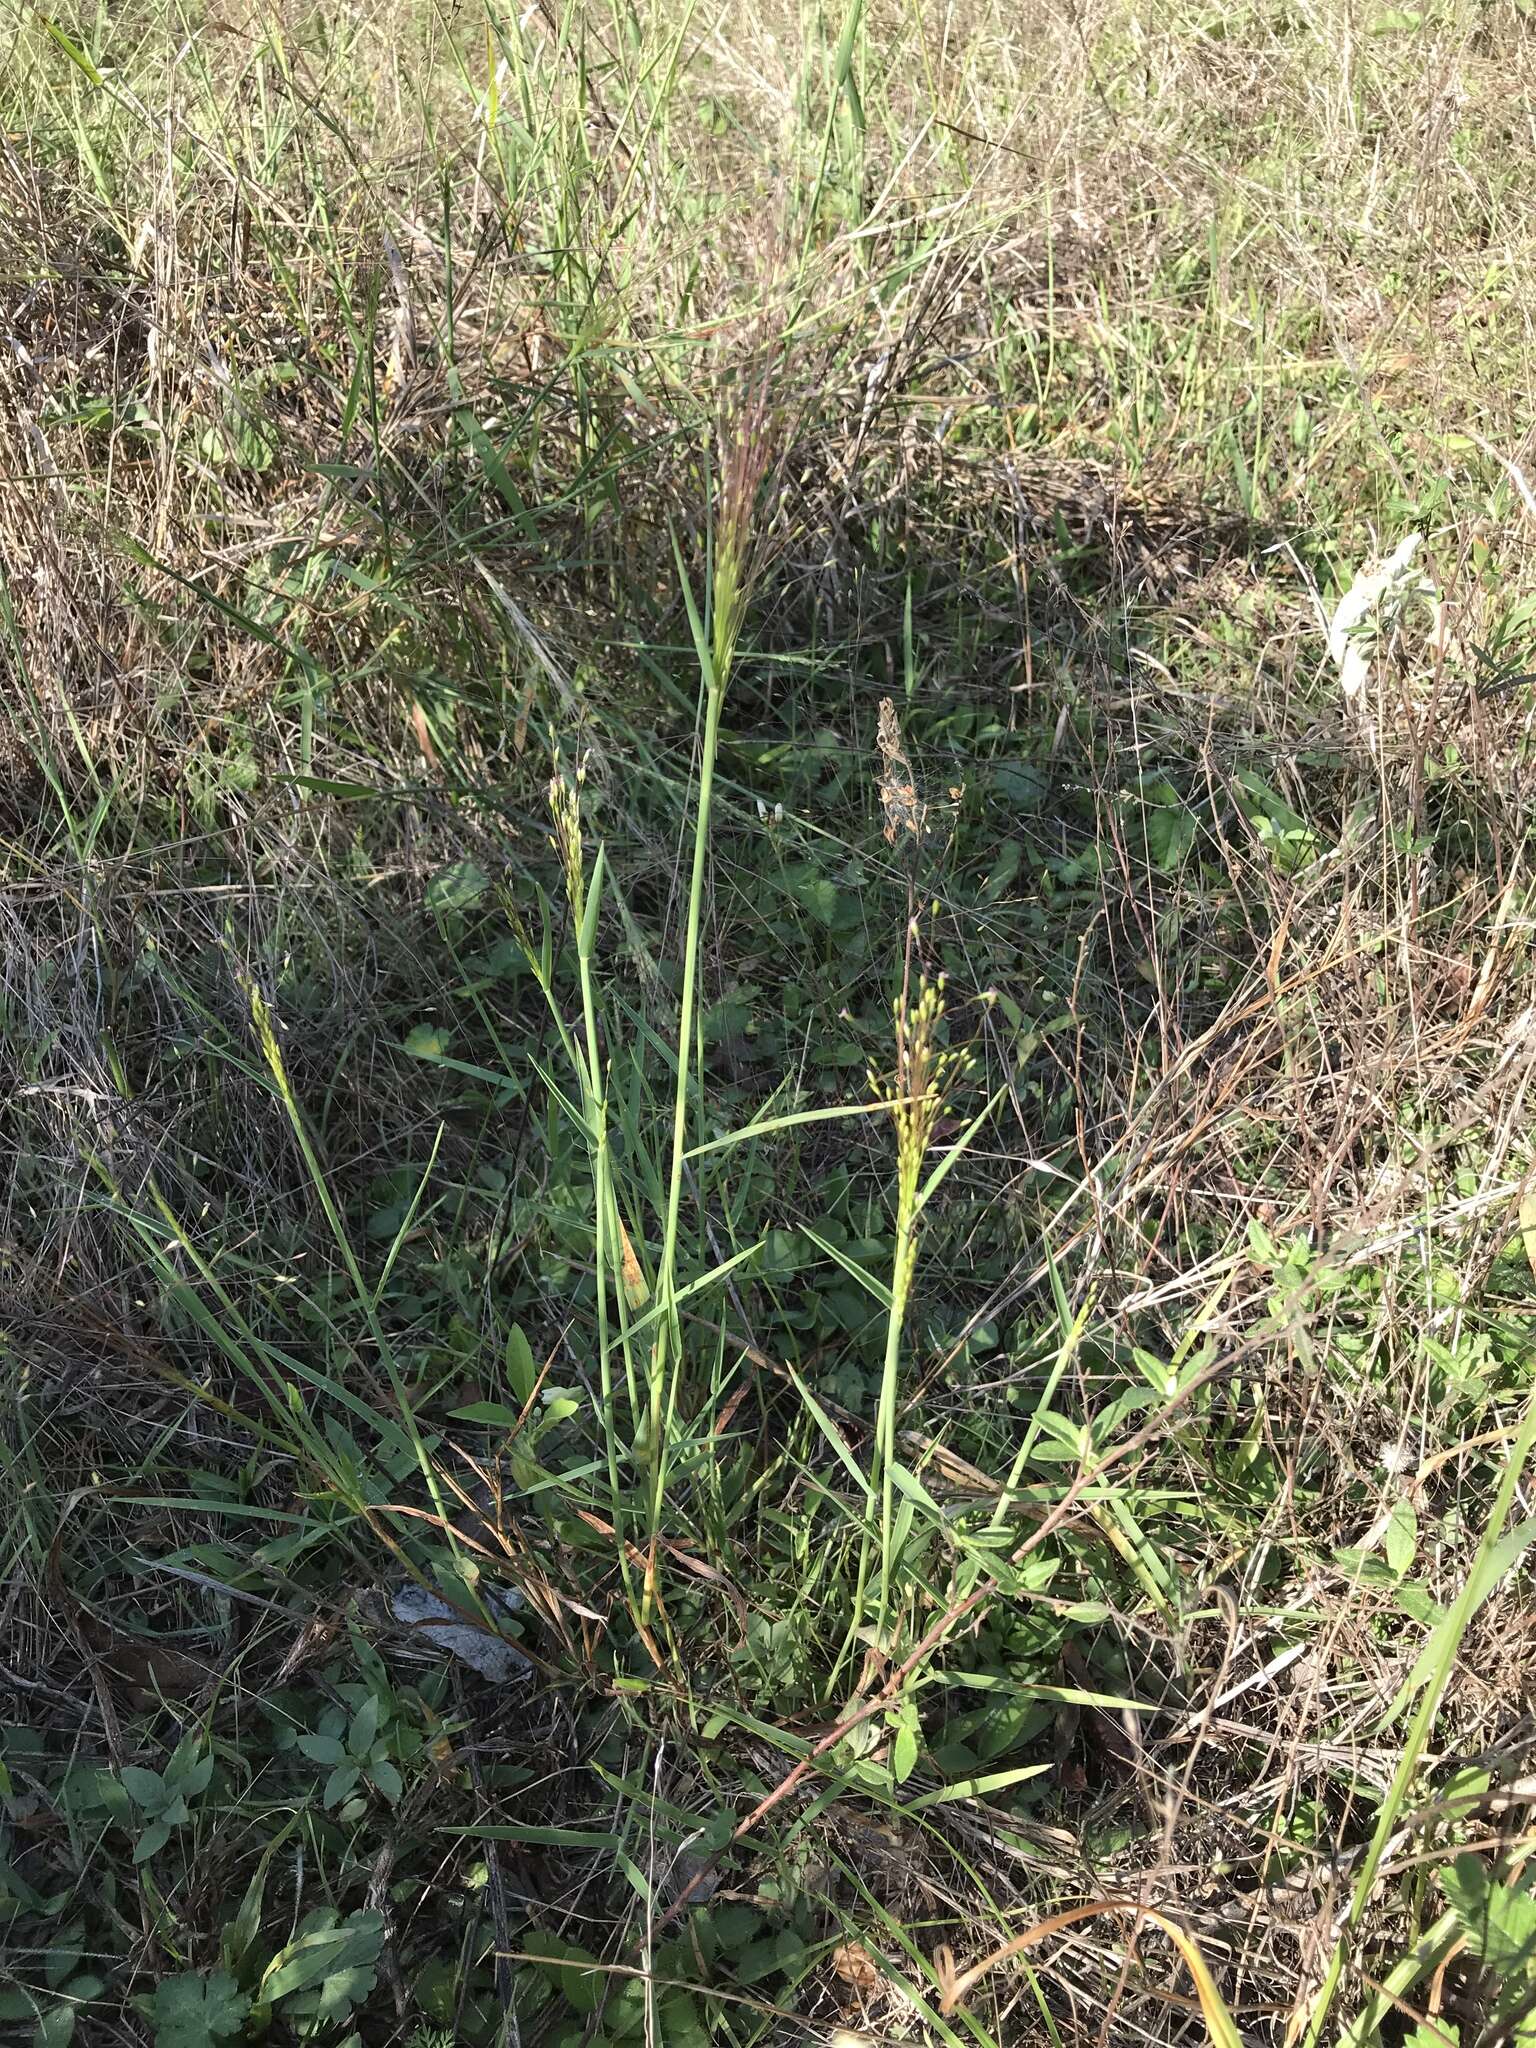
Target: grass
x=708 y=972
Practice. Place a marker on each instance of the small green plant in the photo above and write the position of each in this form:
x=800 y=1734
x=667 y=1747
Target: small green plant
x=746 y=457
x=320 y=1978
x=197 y=2009
x=1496 y=1912
x=315 y=1983
x=925 y=1072
x=53 y=2006
x=163 y=1799
x=355 y=1748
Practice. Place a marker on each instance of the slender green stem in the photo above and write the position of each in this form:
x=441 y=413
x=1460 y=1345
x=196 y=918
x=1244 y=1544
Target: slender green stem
x=606 y=1255
x=903 y=1267
x=266 y=1032
x=714 y=701
x=584 y=1053
x=885 y=1421
x=667 y=1373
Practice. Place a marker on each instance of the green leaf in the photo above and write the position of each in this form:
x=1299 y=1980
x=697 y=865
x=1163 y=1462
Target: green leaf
x=320 y=1952
x=680 y=2024
x=63 y=1955
x=904 y=1753
x=1170 y=835
x=426 y=1042
x=522 y=1373
x=1004 y=870
x=321 y=1749
x=72 y=50
x=496 y=1413
x=239 y=441
x=574 y=1972
x=833 y=1435
x=55 y=2028
x=341 y=1782
x=1402 y=1536
x=144 y=1788
x=819 y=897
x=437 y=1989
x=326 y=785
x=762 y=1128
x=625 y=2010
x=193 y=1781
x=496 y=469
x=331 y=2001
x=1418 y=1603
x=870 y=1281
x=950 y=1157
x=193 y=2010
x=782 y=1952
x=730 y=1929
x=1501 y=1559
x=1497 y=1918
x=388 y=1779
x=1022 y=785
x=365 y=1727
x=459 y=886
x=977 y=1787
x=240 y=1934
x=152 y=1841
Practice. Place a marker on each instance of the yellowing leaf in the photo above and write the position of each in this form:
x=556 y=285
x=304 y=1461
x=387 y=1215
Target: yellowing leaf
x=1221 y=2029
x=636 y=1293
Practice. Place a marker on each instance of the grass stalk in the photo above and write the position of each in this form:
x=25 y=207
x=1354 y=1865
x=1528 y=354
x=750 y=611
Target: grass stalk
x=584 y=895
x=665 y=1379
x=916 y=1096
x=745 y=454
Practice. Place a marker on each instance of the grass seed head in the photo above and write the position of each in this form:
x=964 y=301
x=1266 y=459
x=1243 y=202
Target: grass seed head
x=754 y=434
x=906 y=815
x=918 y=1088
x=565 y=810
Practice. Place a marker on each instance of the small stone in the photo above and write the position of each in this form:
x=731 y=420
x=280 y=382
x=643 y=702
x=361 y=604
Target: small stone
x=441 y=1627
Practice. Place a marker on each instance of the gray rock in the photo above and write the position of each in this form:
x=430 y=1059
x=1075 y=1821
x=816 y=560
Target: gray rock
x=439 y=1627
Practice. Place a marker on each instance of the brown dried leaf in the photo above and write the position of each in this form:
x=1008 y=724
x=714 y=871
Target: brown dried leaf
x=854 y=1965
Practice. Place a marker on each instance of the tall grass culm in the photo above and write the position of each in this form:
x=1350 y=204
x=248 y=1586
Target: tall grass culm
x=736 y=532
